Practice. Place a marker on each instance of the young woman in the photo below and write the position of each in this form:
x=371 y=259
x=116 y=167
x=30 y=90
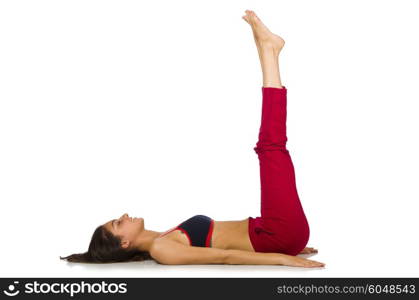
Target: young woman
x=274 y=238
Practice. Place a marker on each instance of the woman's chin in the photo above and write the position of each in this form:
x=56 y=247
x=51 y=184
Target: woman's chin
x=141 y=223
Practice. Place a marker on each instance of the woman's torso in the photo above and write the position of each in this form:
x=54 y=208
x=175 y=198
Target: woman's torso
x=225 y=235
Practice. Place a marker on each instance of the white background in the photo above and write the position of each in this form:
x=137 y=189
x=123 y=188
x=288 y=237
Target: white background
x=153 y=108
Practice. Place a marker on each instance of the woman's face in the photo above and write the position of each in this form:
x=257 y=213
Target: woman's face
x=126 y=227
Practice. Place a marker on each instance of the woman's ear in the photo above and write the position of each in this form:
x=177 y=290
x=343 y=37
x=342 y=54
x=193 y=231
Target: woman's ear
x=125 y=244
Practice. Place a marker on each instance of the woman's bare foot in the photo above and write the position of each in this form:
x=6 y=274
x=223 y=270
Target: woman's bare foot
x=263 y=36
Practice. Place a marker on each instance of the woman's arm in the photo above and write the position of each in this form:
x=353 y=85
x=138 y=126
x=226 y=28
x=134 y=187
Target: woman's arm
x=169 y=252
x=258 y=258
x=174 y=253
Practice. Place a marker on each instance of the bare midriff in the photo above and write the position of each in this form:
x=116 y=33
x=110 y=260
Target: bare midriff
x=225 y=235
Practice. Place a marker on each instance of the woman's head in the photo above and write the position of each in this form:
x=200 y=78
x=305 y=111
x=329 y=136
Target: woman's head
x=114 y=241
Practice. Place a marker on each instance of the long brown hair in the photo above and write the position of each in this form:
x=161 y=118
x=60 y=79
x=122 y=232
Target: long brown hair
x=106 y=248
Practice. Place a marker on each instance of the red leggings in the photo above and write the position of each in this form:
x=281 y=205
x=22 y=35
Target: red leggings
x=283 y=226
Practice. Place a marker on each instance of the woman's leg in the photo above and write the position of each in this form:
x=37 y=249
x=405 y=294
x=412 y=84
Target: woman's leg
x=282 y=226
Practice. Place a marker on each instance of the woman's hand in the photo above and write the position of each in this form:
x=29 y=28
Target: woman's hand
x=309 y=250
x=295 y=261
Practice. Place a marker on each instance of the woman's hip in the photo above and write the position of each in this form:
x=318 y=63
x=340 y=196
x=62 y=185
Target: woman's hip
x=279 y=235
